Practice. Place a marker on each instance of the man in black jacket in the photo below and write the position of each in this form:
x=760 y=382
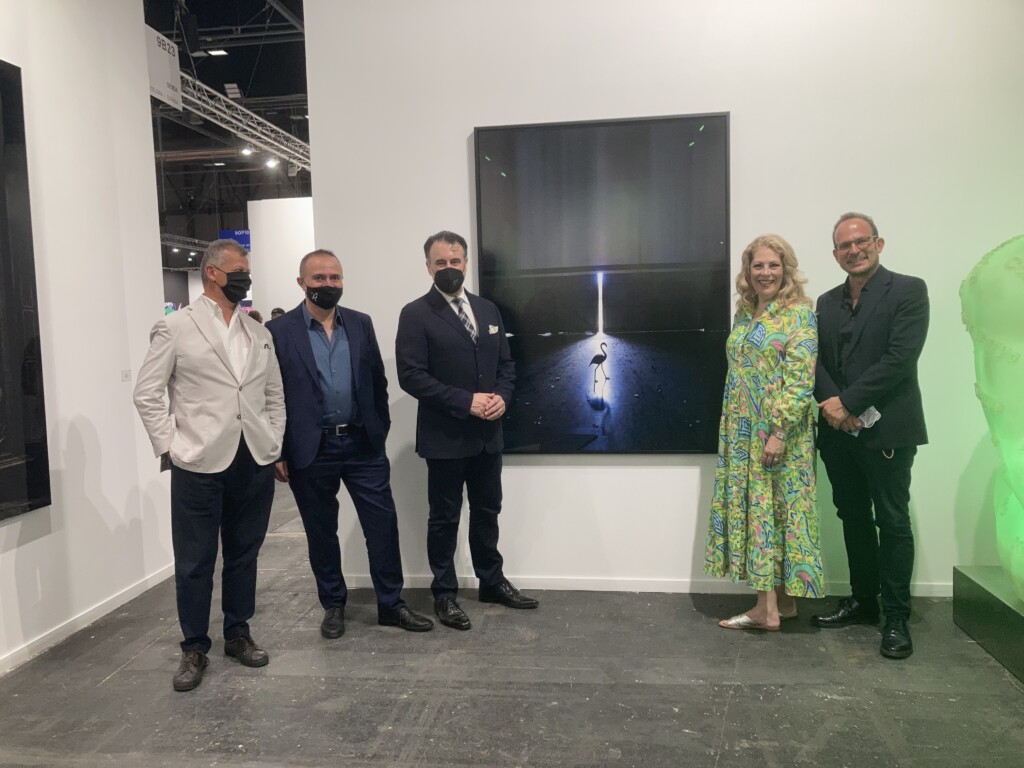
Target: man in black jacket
x=871 y=331
x=453 y=356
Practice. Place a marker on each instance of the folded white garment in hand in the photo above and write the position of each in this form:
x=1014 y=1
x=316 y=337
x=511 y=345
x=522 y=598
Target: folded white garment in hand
x=868 y=418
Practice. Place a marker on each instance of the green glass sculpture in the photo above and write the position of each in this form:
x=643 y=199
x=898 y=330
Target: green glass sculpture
x=992 y=298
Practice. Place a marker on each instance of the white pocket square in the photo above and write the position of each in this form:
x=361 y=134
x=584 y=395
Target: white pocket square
x=492 y=329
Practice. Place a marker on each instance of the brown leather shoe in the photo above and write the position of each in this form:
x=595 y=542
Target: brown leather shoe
x=190 y=671
x=244 y=649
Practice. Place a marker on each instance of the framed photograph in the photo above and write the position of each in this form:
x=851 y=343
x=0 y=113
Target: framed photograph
x=24 y=461
x=606 y=247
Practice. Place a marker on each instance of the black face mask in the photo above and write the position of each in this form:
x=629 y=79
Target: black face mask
x=237 y=286
x=324 y=296
x=449 y=279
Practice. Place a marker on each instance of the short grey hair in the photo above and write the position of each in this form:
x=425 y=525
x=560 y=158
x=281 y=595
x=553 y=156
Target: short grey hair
x=214 y=254
x=854 y=215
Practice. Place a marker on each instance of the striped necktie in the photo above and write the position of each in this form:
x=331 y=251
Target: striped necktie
x=465 y=319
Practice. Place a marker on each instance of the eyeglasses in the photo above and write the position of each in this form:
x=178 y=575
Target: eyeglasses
x=860 y=242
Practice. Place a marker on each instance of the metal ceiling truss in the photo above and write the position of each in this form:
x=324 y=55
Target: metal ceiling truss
x=281 y=8
x=213 y=39
x=177 y=241
x=248 y=126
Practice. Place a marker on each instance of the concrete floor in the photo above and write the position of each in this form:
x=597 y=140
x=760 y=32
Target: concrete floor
x=589 y=679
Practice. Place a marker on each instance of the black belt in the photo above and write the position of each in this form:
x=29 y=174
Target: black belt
x=339 y=429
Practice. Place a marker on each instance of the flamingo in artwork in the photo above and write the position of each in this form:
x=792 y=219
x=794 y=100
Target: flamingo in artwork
x=598 y=361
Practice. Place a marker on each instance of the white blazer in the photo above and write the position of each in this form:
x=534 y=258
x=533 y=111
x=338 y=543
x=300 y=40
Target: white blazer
x=209 y=407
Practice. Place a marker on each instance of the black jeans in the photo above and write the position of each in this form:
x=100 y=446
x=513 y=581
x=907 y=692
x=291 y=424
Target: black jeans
x=366 y=473
x=481 y=475
x=879 y=541
x=233 y=505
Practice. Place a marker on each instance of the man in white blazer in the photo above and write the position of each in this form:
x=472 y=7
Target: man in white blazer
x=219 y=430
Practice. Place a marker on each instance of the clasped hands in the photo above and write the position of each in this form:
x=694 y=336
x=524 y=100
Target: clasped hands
x=773 y=450
x=838 y=417
x=487 y=406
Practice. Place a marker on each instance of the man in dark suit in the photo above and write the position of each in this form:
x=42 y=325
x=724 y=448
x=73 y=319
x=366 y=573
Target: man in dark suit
x=336 y=399
x=871 y=330
x=454 y=358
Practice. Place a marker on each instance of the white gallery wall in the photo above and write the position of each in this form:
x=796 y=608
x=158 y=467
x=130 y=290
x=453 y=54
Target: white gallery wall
x=911 y=111
x=281 y=233
x=195 y=285
x=106 y=537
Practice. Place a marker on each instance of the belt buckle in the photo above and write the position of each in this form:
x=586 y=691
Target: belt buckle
x=337 y=430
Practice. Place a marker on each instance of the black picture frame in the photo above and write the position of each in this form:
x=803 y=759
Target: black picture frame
x=24 y=456
x=612 y=232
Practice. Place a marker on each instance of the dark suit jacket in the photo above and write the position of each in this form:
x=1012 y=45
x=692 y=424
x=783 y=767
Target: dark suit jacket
x=440 y=366
x=881 y=359
x=303 y=398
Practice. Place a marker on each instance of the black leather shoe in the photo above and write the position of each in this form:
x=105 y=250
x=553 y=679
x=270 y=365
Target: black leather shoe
x=849 y=611
x=507 y=595
x=333 y=625
x=190 y=671
x=244 y=649
x=449 y=614
x=404 y=618
x=896 y=643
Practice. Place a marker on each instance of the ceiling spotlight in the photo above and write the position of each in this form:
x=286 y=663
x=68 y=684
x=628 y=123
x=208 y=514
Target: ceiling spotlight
x=219 y=164
x=272 y=162
x=217 y=52
x=232 y=90
x=247 y=149
x=191 y=253
x=175 y=250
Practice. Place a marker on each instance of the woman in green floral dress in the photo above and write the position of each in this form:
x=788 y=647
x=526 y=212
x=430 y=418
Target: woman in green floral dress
x=764 y=521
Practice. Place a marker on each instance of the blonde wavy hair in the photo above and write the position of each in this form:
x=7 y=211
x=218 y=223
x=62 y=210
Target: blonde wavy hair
x=793 y=281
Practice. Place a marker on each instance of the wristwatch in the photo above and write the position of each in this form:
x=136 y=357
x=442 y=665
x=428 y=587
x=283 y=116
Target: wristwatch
x=779 y=434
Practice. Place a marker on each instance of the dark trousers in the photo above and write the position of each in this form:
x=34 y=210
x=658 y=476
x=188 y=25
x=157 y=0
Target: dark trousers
x=879 y=542
x=481 y=476
x=233 y=505
x=366 y=473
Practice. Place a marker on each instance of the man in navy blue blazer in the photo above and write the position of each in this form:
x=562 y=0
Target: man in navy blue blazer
x=453 y=356
x=336 y=402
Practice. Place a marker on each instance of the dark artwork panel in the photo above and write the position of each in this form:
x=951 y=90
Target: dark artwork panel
x=24 y=460
x=606 y=247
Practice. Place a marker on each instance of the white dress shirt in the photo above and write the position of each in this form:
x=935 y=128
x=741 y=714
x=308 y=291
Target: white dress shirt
x=233 y=336
x=466 y=306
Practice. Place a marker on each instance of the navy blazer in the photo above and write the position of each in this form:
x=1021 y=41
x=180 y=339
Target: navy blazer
x=881 y=358
x=440 y=366
x=303 y=398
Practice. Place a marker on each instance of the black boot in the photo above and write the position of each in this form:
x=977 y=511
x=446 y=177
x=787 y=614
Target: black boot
x=896 y=642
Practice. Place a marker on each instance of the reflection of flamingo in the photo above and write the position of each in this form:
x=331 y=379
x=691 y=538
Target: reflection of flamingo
x=598 y=362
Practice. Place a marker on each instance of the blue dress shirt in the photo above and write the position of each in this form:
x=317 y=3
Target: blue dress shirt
x=334 y=366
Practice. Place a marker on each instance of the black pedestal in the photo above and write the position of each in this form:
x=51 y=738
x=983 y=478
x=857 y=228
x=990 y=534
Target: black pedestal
x=986 y=607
